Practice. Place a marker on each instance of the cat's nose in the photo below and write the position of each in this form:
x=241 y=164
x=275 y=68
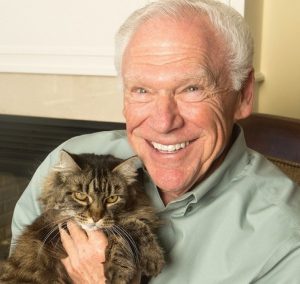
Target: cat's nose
x=97 y=215
x=96 y=219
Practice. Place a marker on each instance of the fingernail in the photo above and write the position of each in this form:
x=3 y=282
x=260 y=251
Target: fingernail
x=61 y=228
x=71 y=224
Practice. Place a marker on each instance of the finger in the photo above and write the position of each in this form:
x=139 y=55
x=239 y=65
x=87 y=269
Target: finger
x=70 y=270
x=97 y=237
x=71 y=263
x=94 y=275
x=67 y=264
x=77 y=234
x=68 y=243
x=99 y=242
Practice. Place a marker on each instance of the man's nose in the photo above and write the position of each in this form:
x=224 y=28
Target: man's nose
x=165 y=115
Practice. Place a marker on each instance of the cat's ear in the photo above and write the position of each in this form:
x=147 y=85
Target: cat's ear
x=128 y=169
x=66 y=163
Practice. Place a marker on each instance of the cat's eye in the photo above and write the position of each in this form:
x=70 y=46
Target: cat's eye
x=81 y=196
x=112 y=199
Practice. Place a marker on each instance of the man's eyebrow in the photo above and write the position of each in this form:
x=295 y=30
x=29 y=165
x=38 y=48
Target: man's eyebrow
x=200 y=74
x=203 y=73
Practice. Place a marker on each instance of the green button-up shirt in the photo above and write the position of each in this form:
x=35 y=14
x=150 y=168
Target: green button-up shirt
x=240 y=225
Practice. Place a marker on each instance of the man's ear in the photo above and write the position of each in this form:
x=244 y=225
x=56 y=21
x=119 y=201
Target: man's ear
x=246 y=96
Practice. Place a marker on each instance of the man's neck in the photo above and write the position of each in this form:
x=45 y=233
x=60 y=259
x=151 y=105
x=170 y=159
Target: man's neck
x=168 y=197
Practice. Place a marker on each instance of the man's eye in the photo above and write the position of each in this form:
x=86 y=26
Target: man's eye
x=139 y=95
x=140 y=91
x=192 y=89
x=193 y=93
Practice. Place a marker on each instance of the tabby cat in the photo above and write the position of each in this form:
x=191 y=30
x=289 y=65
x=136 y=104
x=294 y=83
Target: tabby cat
x=97 y=192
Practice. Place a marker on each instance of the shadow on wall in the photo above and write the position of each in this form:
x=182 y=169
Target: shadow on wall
x=254 y=18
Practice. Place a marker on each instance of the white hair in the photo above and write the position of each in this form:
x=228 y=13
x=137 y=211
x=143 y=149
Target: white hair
x=225 y=19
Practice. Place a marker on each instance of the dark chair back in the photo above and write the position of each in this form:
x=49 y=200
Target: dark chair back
x=276 y=137
x=273 y=136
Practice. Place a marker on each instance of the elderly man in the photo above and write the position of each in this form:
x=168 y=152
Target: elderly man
x=187 y=77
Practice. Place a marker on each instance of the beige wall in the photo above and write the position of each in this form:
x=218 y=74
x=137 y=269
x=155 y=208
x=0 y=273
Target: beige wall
x=76 y=97
x=276 y=28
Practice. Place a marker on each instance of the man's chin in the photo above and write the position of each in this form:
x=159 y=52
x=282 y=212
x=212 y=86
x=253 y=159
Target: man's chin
x=169 y=180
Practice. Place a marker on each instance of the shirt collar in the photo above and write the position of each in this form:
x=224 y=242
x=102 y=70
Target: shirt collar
x=234 y=163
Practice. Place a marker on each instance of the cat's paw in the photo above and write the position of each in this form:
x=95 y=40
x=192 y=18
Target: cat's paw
x=153 y=263
x=120 y=271
x=118 y=278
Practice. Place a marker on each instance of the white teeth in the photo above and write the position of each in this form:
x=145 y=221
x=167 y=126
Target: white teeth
x=170 y=148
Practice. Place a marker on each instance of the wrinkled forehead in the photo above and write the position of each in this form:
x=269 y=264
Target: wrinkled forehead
x=162 y=42
x=164 y=78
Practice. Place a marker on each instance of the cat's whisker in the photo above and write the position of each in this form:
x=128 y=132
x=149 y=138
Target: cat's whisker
x=58 y=244
x=125 y=244
x=54 y=236
x=109 y=231
x=127 y=235
x=44 y=240
x=51 y=233
x=132 y=247
x=54 y=223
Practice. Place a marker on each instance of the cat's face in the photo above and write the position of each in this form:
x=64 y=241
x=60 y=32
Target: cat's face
x=94 y=197
x=95 y=201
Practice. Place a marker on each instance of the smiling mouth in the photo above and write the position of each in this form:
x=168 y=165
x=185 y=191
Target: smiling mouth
x=170 y=148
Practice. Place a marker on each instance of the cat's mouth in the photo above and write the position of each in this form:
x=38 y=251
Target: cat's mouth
x=89 y=227
x=171 y=148
x=95 y=226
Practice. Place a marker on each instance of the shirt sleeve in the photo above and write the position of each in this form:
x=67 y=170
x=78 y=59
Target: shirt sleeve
x=285 y=271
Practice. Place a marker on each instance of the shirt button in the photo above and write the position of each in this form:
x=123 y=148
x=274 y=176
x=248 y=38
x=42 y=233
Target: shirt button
x=189 y=209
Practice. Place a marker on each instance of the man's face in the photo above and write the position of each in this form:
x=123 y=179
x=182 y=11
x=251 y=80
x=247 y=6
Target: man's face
x=177 y=104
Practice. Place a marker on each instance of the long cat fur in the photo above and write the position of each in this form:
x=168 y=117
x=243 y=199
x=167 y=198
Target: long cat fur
x=129 y=222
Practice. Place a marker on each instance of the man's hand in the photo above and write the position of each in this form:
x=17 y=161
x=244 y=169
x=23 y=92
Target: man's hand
x=86 y=254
